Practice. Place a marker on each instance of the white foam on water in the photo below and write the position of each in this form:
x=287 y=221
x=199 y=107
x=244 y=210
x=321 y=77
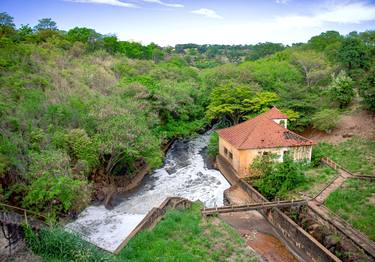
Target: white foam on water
x=188 y=177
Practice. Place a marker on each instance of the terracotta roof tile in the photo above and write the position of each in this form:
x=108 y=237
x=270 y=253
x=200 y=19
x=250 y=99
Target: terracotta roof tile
x=275 y=113
x=261 y=132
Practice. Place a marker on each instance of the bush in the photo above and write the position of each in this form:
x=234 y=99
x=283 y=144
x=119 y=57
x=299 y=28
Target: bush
x=56 y=194
x=213 y=145
x=278 y=178
x=341 y=89
x=83 y=150
x=325 y=120
x=56 y=243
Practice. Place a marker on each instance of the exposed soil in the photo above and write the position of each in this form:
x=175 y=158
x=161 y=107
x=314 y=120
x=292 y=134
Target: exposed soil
x=358 y=123
x=20 y=253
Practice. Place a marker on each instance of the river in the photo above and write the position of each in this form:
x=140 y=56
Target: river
x=184 y=174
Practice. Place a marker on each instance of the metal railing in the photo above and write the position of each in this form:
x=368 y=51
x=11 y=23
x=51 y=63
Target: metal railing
x=27 y=214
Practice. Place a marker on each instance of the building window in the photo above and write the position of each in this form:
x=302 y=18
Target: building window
x=225 y=151
x=282 y=123
x=265 y=153
x=230 y=155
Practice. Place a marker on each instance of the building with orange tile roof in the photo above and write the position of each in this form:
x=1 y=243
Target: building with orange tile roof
x=265 y=134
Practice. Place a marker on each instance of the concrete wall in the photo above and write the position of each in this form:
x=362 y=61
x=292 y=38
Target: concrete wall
x=235 y=160
x=293 y=233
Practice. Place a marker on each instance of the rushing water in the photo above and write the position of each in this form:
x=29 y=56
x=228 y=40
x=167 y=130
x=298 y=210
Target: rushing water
x=184 y=174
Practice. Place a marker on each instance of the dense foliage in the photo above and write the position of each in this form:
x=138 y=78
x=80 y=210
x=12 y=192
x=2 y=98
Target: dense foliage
x=277 y=179
x=77 y=103
x=69 y=110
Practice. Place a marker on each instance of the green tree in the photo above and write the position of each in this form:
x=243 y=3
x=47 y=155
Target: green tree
x=264 y=49
x=325 y=120
x=367 y=90
x=313 y=65
x=261 y=102
x=46 y=24
x=324 y=40
x=228 y=103
x=353 y=54
x=7 y=26
x=111 y=44
x=341 y=89
x=6 y=20
x=82 y=34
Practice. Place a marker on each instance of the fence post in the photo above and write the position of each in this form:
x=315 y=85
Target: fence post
x=25 y=216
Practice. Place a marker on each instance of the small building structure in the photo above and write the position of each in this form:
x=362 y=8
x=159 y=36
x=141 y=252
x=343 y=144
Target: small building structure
x=264 y=134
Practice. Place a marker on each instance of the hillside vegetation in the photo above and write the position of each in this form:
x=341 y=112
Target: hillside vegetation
x=77 y=103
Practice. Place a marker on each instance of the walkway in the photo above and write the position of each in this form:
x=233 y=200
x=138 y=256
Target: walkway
x=254 y=206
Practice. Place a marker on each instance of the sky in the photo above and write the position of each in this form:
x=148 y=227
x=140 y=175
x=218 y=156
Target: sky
x=170 y=22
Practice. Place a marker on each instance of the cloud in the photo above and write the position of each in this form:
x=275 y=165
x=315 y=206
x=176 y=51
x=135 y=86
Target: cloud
x=163 y=3
x=353 y=13
x=104 y=2
x=207 y=13
x=282 y=1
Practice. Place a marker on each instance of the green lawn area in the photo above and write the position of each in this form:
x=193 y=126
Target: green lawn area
x=316 y=179
x=357 y=154
x=355 y=203
x=185 y=236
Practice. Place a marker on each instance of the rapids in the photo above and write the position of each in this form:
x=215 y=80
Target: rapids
x=184 y=174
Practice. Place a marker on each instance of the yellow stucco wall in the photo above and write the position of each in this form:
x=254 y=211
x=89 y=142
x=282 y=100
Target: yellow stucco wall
x=243 y=158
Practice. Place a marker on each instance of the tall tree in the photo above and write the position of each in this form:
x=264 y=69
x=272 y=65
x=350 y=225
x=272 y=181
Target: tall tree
x=353 y=54
x=6 y=20
x=313 y=65
x=341 y=89
x=6 y=24
x=367 y=90
x=46 y=24
x=227 y=103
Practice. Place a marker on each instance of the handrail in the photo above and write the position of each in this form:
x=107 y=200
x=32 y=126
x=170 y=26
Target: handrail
x=24 y=211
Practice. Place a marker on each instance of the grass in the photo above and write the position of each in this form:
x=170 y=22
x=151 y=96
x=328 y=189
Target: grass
x=316 y=179
x=357 y=154
x=182 y=235
x=352 y=203
x=185 y=236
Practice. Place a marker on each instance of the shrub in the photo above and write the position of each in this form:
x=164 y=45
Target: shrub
x=342 y=89
x=325 y=120
x=213 y=145
x=56 y=194
x=279 y=178
x=82 y=149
